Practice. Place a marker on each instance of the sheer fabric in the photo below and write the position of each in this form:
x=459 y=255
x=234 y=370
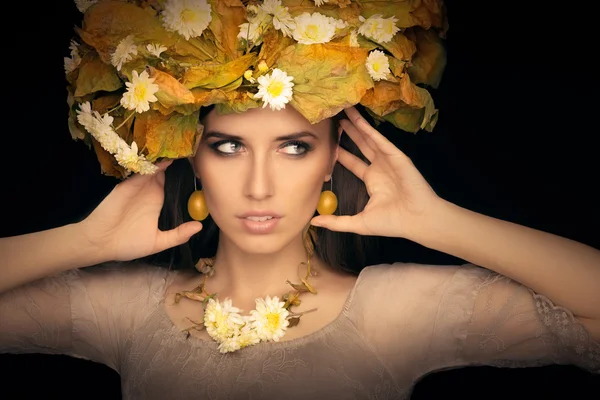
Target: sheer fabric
x=400 y=322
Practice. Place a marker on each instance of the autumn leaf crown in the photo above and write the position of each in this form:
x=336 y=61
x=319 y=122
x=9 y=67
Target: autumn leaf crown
x=139 y=71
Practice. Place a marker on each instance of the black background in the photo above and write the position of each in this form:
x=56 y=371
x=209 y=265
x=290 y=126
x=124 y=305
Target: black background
x=516 y=139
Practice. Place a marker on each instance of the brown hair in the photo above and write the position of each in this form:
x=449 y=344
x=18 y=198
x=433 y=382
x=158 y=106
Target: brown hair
x=342 y=250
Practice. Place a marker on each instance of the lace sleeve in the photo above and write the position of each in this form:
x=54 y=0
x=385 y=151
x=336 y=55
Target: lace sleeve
x=87 y=313
x=510 y=325
x=36 y=317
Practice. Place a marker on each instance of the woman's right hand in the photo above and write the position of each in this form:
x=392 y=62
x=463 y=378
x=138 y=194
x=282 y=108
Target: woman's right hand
x=124 y=226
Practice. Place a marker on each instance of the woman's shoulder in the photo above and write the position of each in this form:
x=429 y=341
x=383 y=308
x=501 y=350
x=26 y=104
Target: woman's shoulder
x=409 y=279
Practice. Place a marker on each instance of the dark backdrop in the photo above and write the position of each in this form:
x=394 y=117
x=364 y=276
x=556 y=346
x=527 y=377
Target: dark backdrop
x=515 y=140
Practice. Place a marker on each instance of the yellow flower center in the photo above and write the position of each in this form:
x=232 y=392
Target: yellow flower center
x=376 y=67
x=275 y=88
x=140 y=92
x=312 y=31
x=273 y=320
x=188 y=15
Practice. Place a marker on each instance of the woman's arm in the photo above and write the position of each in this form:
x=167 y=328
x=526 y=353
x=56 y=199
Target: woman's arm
x=28 y=257
x=565 y=271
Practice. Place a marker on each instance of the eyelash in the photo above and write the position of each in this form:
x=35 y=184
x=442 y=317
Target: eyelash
x=214 y=146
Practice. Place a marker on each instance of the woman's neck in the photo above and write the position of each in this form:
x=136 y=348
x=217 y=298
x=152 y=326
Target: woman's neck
x=244 y=276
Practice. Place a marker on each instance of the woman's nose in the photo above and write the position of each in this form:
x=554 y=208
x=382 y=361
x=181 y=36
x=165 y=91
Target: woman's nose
x=259 y=185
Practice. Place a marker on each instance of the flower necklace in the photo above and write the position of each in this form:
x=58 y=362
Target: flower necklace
x=225 y=324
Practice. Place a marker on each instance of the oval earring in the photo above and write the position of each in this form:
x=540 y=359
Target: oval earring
x=328 y=201
x=197 y=204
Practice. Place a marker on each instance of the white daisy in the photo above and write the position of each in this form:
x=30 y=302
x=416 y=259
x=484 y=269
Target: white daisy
x=140 y=92
x=378 y=65
x=83 y=5
x=270 y=318
x=248 y=335
x=319 y=3
x=155 y=49
x=275 y=89
x=189 y=18
x=282 y=19
x=379 y=29
x=124 y=52
x=314 y=28
x=222 y=320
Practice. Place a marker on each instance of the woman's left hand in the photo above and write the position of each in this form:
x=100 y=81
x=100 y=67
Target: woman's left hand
x=400 y=197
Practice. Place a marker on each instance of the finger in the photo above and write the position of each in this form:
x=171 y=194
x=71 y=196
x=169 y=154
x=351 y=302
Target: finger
x=379 y=141
x=339 y=223
x=360 y=139
x=177 y=236
x=352 y=163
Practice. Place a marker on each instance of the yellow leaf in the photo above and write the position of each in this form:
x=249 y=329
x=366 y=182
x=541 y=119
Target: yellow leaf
x=327 y=78
x=104 y=103
x=108 y=164
x=95 y=75
x=349 y=13
x=273 y=43
x=227 y=16
x=409 y=104
x=213 y=75
x=429 y=62
x=424 y=13
x=170 y=91
x=400 y=46
x=171 y=136
x=108 y=22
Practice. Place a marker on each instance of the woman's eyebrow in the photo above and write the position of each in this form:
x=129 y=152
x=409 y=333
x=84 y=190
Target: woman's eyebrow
x=227 y=136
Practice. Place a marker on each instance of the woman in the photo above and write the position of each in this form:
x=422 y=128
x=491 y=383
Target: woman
x=442 y=317
x=378 y=332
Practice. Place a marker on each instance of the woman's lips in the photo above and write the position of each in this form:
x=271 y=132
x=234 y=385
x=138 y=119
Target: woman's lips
x=260 y=227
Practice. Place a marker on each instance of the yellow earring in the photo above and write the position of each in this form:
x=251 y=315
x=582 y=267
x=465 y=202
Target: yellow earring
x=197 y=204
x=328 y=201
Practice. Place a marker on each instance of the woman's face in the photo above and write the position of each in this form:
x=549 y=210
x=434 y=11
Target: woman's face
x=263 y=163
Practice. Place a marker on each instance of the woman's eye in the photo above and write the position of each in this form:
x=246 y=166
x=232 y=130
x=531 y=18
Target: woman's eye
x=227 y=147
x=296 y=148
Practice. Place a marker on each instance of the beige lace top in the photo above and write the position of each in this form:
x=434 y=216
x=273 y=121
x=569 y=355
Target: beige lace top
x=400 y=322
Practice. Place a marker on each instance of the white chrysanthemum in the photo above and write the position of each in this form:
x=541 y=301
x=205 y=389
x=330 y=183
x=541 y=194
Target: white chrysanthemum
x=155 y=49
x=83 y=5
x=100 y=127
x=140 y=92
x=269 y=319
x=72 y=62
x=124 y=52
x=189 y=18
x=282 y=19
x=222 y=320
x=319 y=3
x=378 y=65
x=354 y=38
x=314 y=28
x=248 y=335
x=379 y=29
x=275 y=89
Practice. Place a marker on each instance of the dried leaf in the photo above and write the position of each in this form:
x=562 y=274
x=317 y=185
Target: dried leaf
x=424 y=13
x=327 y=78
x=108 y=22
x=108 y=164
x=95 y=75
x=227 y=16
x=308 y=286
x=170 y=136
x=170 y=91
x=429 y=62
x=213 y=75
x=293 y=321
x=400 y=47
x=301 y=287
x=273 y=44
